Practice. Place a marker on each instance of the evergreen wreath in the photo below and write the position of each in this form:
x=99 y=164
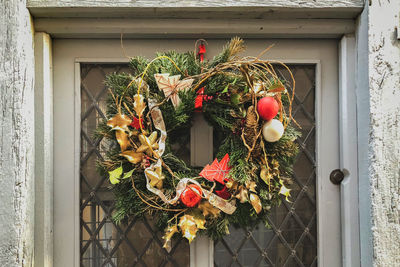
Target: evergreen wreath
x=249 y=107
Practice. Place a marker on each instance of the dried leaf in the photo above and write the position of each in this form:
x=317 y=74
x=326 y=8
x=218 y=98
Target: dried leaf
x=251 y=186
x=169 y=233
x=255 y=202
x=122 y=139
x=284 y=191
x=277 y=87
x=188 y=227
x=139 y=105
x=242 y=195
x=231 y=184
x=209 y=210
x=119 y=122
x=217 y=171
x=115 y=175
x=132 y=156
x=199 y=218
x=265 y=175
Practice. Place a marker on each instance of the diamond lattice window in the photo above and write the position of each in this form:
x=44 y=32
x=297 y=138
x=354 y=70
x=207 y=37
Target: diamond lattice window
x=290 y=239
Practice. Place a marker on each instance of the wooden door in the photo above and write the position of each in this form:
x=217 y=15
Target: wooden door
x=305 y=232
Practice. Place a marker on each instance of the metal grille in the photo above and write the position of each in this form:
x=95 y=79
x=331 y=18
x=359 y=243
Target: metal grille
x=291 y=237
x=103 y=243
x=290 y=240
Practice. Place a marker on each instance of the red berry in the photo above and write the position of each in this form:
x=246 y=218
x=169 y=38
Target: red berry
x=267 y=108
x=191 y=195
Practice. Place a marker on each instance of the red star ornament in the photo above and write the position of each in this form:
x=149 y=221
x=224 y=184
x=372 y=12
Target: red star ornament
x=217 y=171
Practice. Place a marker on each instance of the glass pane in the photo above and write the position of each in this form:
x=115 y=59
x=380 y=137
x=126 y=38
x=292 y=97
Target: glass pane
x=291 y=239
x=103 y=243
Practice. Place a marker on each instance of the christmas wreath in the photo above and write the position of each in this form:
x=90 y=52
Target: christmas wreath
x=249 y=107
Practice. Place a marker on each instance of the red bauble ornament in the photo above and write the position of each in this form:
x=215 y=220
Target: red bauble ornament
x=191 y=195
x=267 y=108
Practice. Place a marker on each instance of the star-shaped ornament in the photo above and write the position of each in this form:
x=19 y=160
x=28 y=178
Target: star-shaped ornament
x=217 y=171
x=148 y=144
x=155 y=176
x=171 y=85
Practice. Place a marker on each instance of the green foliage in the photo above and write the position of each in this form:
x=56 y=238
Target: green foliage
x=225 y=110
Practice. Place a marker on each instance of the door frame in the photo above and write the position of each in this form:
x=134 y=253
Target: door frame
x=347 y=70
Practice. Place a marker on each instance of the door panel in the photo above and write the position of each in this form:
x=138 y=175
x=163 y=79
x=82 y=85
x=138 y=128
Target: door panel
x=301 y=230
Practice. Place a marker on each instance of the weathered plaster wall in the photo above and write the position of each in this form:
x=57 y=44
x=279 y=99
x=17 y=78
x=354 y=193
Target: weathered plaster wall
x=384 y=84
x=16 y=135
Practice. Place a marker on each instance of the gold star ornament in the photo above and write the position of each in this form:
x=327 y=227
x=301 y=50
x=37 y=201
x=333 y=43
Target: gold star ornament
x=148 y=144
x=155 y=176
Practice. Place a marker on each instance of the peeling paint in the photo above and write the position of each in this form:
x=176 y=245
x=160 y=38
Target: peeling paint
x=16 y=135
x=384 y=135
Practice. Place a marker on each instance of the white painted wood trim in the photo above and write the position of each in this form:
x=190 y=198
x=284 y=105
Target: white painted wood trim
x=348 y=153
x=201 y=153
x=43 y=150
x=318 y=151
x=363 y=137
x=197 y=4
x=77 y=156
x=100 y=60
x=202 y=252
x=187 y=28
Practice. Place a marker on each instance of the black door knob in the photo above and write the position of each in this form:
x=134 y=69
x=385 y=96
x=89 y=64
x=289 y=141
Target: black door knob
x=336 y=176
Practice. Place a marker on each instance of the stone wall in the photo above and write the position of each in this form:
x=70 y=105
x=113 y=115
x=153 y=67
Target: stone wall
x=16 y=135
x=384 y=144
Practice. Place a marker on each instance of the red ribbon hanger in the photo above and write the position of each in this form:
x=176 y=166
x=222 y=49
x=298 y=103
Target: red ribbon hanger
x=198 y=104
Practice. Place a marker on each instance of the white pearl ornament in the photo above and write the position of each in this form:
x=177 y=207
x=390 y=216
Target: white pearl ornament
x=272 y=130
